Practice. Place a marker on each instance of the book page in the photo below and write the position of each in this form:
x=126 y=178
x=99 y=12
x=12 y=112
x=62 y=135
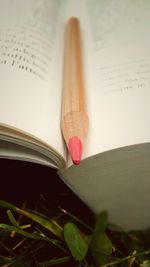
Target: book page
x=116 y=41
x=118 y=74
x=30 y=68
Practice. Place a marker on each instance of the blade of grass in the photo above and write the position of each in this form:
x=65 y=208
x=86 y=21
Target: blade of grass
x=12 y=218
x=75 y=218
x=54 y=261
x=5 y=260
x=45 y=223
x=28 y=235
x=7 y=249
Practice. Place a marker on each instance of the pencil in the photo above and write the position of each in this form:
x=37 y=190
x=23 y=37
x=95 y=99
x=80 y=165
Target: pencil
x=74 y=121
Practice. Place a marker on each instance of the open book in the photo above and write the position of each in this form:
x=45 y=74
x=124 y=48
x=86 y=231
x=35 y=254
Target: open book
x=115 y=171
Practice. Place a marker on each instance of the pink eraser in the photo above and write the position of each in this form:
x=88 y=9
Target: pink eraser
x=75 y=149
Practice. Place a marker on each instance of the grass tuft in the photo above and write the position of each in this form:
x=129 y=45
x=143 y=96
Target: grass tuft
x=36 y=239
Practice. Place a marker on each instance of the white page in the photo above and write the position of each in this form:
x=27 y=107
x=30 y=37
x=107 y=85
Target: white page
x=30 y=68
x=12 y=151
x=117 y=71
x=118 y=74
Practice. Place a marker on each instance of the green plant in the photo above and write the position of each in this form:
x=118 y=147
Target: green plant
x=36 y=239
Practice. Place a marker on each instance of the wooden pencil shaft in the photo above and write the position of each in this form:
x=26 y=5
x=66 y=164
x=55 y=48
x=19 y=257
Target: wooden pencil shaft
x=74 y=118
x=73 y=74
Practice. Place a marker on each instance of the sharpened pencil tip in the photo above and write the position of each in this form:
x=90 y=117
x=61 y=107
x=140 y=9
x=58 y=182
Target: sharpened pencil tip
x=75 y=149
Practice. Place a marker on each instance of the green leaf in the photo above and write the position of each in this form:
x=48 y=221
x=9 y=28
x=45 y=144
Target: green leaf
x=76 y=244
x=146 y=263
x=40 y=220
x=101 y=259
x=101 y=249
x=101 y=246
x=101 y=222
x=101 y=243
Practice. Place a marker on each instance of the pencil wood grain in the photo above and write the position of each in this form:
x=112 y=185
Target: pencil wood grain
x=74 y=116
